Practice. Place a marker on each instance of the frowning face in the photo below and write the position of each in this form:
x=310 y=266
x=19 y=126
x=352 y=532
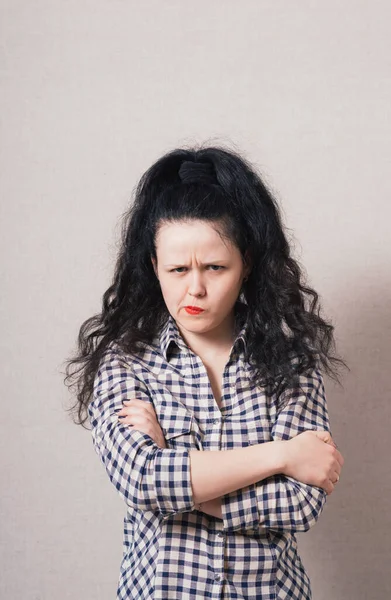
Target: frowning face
x=198 y=269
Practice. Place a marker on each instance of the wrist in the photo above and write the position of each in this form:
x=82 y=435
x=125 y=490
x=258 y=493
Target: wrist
x=281 y=456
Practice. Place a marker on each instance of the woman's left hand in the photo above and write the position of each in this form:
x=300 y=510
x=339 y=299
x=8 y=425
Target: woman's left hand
x=140 y=415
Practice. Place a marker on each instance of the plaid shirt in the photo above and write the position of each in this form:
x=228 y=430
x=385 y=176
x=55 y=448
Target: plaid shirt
x=170 y=549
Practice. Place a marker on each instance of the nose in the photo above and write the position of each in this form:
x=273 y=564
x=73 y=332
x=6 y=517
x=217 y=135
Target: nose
x=196 y=286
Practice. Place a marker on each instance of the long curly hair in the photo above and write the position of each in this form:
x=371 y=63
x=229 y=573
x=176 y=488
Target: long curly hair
x=287 y=336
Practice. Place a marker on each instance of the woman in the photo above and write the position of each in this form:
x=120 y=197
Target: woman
x=202 y=381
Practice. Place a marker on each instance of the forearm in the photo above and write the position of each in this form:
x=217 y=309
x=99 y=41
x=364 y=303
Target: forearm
x=299 y=506
x=279 y=503
x=282 y=503
x=211 y=507
x=216 y=473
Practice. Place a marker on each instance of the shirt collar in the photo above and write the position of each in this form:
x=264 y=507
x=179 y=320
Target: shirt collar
x=170 y=332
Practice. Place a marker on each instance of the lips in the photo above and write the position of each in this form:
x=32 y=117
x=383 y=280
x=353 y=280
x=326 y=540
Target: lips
x=193 y=310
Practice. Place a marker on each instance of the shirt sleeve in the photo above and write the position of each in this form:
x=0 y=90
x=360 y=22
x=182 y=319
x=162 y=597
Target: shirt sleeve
x=147 y=477
x=282 y=503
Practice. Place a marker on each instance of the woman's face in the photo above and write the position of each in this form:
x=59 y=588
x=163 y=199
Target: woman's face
x=198 y=268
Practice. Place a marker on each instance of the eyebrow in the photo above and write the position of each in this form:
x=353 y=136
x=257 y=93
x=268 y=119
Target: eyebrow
x=210 y=262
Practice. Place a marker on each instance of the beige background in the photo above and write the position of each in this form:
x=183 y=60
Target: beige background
x=93 y=92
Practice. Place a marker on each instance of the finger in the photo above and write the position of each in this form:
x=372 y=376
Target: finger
x=326 y=437
x=139 y=422
x=335 y=445
x=141 y=417
x=126 y=419
x=323 y=434
x=127 y=416
x=144 y=404
x=331 y=442
x=132 y=409
x=125 y=412
x=339 y=458
x=131 y=423
x=140 y=407
x=336 y=478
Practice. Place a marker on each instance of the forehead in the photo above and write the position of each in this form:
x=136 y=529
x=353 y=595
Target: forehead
x=194 y=235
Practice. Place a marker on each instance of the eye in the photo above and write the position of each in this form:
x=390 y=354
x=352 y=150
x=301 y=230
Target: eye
x=215 y=267
x=177 y=270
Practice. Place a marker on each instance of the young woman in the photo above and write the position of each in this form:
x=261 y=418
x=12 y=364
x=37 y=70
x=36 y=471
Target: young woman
x=202 y=381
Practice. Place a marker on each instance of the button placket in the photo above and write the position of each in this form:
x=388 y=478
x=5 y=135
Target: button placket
x=219 y=551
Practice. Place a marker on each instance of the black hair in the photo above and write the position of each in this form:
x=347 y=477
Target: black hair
x=287 y=336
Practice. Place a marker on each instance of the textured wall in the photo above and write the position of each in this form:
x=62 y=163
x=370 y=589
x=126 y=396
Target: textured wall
x=93 y=92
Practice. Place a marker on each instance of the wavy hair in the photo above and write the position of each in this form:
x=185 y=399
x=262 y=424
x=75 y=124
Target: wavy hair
x=287 y=335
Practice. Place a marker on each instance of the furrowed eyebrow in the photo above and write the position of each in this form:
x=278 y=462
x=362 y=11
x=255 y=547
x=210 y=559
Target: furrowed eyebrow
x=210 y=262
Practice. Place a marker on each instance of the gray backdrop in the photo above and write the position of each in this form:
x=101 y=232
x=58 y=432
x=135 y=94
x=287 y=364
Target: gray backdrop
x=93 y=92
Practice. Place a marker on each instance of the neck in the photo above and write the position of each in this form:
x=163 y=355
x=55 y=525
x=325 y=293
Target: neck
x=213 y=342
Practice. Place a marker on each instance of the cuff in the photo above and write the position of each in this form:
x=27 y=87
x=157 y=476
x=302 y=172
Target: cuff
x=239 y=509
x=174 y=493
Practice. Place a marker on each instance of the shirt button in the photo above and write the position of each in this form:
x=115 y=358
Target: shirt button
x=220 y=534
x=215 y=421
x=217 y=577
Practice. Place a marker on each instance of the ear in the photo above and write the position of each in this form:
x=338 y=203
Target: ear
x=154 y=264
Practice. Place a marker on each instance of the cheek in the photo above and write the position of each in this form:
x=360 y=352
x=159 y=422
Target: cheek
x=170 y=290
x=231 y=286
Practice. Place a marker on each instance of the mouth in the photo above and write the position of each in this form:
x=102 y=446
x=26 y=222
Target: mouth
x=193 y=310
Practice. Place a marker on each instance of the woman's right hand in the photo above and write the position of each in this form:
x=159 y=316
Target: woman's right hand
x=312 y=457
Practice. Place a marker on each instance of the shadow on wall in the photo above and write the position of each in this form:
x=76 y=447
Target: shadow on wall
x=348 y=551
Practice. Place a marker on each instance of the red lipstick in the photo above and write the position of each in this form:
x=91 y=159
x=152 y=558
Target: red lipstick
x=193 y=310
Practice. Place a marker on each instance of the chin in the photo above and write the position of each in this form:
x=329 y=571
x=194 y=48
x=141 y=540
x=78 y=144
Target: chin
x=195 y=324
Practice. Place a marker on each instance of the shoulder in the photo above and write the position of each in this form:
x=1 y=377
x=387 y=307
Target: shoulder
x=116 y=355
x=307 y=387
x=120 y=371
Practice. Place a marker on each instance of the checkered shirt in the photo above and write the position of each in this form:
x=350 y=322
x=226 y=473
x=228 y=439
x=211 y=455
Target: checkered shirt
x=171 y=550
